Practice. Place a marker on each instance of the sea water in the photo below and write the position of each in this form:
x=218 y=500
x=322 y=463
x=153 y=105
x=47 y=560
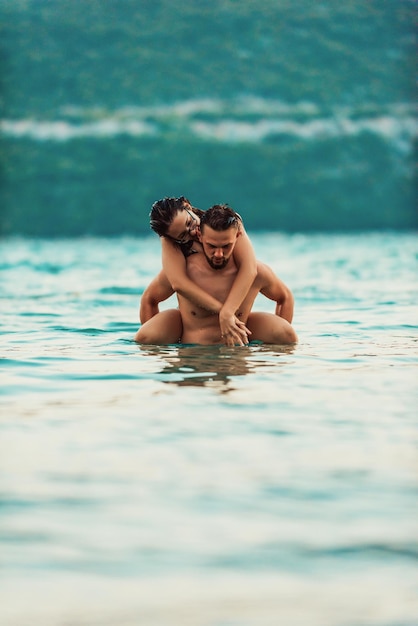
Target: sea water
x=208 y=486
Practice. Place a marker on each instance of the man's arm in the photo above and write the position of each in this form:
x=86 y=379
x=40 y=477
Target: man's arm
x=275 y=289
x=157 y=291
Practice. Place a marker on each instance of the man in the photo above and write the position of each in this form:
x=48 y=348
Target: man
x=213 y=268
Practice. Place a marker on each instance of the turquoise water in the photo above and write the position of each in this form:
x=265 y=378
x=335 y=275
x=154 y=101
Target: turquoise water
x=208 y=486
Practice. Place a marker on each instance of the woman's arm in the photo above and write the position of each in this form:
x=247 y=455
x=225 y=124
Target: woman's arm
x=174 y=266
x=244 y=257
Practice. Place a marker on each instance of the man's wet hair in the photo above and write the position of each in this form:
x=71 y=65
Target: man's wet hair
x=220 y=217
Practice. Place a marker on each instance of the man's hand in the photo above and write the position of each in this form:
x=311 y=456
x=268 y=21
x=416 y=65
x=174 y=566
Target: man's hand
x=233 y=331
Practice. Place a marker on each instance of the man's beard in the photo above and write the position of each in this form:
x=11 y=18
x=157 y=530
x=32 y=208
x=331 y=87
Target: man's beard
x=216 y=266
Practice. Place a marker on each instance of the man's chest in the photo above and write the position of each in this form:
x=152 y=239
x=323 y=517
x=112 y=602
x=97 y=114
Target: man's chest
x=217 y=283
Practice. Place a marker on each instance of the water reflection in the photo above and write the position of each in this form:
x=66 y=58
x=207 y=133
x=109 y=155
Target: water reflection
x=213 y=366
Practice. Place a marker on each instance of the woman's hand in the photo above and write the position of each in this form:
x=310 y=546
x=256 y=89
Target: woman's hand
x=233 y=330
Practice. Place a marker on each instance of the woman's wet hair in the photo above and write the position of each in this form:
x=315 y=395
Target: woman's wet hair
x=164 y=211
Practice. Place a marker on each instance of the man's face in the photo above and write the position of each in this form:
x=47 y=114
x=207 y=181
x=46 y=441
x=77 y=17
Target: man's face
x=218 y=246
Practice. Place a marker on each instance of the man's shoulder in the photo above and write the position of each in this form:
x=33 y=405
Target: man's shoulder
x=194 y=251
x=264 y=272
x=196 y=257
x=262 y=268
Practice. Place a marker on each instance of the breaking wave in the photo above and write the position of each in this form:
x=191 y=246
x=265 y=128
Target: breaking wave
x=244 y=120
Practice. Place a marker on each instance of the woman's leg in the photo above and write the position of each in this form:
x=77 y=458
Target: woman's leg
x=164 y=328
x=270 y=328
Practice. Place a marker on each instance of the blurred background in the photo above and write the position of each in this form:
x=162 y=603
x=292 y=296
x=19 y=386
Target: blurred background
x=301 y=115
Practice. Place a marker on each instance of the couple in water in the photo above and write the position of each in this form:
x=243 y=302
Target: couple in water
x=209 y=261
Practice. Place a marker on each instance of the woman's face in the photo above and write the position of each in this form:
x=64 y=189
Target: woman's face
x=184 y=227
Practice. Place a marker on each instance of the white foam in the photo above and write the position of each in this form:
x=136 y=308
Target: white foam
x=62 y=130
x=231 y=131
x=242 y=120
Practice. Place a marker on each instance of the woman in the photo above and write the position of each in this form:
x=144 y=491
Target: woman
x=177 y=223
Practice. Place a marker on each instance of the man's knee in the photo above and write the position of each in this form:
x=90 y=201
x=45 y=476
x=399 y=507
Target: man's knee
x=162 y=329
x=143 y=337
x=287 y=335
x=270 y=328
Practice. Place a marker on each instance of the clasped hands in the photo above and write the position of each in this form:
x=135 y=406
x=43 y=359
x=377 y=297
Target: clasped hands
x=233 y=330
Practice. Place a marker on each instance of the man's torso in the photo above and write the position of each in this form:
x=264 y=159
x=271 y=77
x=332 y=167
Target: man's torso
x=199 y=325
